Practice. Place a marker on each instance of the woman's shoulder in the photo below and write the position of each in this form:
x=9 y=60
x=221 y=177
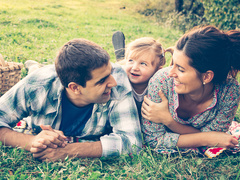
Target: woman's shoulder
x=231 y=84
x=162 y=75
x=231 y=88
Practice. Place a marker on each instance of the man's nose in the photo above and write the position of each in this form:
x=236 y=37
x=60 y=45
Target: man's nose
x=112 y=82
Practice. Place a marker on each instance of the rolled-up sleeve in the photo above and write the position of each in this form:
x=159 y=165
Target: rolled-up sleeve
x=126 y=131
x=158 y=136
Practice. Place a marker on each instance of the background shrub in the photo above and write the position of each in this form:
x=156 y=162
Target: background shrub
x=225 y=14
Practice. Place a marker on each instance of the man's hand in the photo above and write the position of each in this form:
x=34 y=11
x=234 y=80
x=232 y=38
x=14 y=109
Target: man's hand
x=47 y=138
x=156 y=112
x=81 y=150
x=51 y=154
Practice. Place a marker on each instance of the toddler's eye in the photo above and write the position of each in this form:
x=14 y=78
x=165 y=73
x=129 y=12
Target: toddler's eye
x=130 y=60
x=143 y=64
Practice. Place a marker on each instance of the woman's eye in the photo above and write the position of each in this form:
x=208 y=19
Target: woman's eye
x=180 y=70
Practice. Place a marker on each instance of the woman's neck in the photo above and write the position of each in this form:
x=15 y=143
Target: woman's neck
x=192 y=104
x=203 y=95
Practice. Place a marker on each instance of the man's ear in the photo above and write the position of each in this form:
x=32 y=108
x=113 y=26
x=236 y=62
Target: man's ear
x=75 y=88
x=208 y=76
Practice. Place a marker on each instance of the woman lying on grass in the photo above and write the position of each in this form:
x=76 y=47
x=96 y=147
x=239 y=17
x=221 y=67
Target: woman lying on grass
x=196 y=98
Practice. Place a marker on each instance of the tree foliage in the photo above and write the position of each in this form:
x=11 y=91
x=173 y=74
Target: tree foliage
x=224 y=14
x=185 y=14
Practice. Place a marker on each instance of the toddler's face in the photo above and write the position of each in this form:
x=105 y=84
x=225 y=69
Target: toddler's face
x=140 y=70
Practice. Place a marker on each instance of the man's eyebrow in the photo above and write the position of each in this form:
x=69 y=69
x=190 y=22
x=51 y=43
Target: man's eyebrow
x=102 y=80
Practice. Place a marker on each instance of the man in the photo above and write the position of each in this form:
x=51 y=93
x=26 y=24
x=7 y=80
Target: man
x=79 y=97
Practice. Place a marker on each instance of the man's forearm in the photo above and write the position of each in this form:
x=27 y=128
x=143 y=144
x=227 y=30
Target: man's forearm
x=15 y=139
x=85 y=149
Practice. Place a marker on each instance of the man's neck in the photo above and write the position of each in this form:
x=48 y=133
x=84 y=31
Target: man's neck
x=77 y=100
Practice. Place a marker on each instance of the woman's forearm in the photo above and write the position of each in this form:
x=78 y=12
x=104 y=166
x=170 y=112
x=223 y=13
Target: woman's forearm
x=192 y=140
x=178 y=127
x=211 y=139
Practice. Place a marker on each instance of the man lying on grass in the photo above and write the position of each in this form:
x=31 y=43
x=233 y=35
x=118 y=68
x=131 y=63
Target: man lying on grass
x=83 y=96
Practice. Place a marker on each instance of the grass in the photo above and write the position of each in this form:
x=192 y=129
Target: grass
x=36 y=30
x=18 y=164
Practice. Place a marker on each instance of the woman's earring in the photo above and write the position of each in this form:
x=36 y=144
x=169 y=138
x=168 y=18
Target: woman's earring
x=204 y=83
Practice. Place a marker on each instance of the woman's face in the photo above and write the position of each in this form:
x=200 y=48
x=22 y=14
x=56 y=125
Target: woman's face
x=186 y=79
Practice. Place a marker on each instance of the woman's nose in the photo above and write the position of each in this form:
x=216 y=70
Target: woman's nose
x=172 y=72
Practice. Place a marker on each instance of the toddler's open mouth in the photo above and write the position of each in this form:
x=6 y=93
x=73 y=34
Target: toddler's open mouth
x=135 y=74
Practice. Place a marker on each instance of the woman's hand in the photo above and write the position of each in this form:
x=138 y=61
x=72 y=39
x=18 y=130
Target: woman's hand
x=156 y=112
x=221 y=139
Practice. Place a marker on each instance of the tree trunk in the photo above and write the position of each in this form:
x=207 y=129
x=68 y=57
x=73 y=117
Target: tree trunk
x=178 y=5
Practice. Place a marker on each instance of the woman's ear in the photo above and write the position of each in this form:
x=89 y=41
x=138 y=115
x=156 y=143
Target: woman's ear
x=208 y=76
x=74 y=87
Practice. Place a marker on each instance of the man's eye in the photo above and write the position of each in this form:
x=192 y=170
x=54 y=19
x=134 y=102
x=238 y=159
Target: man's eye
x=101 y=81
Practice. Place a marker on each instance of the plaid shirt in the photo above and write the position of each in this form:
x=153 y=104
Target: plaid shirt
x=38 y=96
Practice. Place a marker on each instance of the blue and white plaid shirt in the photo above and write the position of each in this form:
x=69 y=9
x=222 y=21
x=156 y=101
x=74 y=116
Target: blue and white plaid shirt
x=39 y=96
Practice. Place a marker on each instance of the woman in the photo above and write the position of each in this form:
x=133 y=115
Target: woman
x=196 y=98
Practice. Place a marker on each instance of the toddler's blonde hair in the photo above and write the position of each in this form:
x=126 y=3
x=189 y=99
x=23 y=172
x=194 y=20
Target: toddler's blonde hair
x=146 y=44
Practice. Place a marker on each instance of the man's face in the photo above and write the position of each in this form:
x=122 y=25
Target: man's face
x=98 y=89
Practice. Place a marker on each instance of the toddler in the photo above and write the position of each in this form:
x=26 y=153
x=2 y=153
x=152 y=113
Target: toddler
x=143 y=57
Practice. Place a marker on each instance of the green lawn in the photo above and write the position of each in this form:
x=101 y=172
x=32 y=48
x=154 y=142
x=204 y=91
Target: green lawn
x=36 y=30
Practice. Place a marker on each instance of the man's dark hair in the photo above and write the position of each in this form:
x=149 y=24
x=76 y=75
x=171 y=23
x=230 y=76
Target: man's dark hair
x=77 y=59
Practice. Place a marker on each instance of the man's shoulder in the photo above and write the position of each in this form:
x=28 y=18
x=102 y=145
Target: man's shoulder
x=123 y=84
x=43 y=80
x=42 y=75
